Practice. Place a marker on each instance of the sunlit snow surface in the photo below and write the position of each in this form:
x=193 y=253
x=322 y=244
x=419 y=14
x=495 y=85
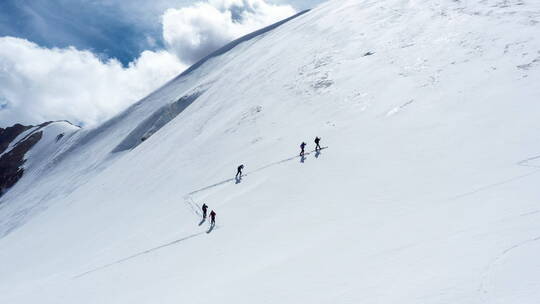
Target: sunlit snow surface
x=428 y=191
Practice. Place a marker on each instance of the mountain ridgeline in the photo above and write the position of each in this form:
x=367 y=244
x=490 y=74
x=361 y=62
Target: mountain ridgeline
x=426 y=190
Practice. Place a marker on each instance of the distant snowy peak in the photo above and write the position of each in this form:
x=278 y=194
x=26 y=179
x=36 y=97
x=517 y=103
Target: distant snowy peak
x=19 y=142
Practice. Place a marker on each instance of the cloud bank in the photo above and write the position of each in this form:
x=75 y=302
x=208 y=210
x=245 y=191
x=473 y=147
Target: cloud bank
x=193 y=32
x=39 y=84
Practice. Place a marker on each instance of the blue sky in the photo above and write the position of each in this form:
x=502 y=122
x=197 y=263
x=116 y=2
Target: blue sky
x=109 y=28
x=88 y=60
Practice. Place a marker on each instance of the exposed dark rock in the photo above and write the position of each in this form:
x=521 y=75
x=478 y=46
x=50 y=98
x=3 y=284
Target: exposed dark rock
x=8 y=134
x=11 y=162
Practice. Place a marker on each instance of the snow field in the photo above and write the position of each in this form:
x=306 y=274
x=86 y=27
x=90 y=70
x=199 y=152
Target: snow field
x=427 y=192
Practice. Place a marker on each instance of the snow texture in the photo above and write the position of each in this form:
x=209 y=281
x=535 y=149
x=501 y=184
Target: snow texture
x=427 y=192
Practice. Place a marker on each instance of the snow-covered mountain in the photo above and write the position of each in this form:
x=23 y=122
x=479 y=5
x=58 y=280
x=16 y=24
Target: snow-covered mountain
x=428 y=191
x=27 y=148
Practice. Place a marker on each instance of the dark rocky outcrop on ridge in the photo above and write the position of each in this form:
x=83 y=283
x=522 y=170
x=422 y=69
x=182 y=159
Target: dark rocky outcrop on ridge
x=9 y=134
x=14 y=147
x=11 y=162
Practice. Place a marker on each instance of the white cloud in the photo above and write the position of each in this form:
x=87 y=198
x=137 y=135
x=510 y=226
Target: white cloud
x=193 y=32
x=40 y=84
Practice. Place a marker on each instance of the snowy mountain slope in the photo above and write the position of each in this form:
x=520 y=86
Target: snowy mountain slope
x=26 y=148
x=427 y=192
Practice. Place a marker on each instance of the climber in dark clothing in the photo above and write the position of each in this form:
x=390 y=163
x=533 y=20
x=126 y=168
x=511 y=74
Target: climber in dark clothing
x=212 y=218
x=302 y=147
x=239 y=171
x=204 y=209
x=317 y=141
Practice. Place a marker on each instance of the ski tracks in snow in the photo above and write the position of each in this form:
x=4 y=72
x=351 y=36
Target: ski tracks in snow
x=140 y=253
x=493 y=185
x=498 y=260
x=196 y=210
x=189 y=195
x=524 y=163
x=148 y=251
x=489 y=270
